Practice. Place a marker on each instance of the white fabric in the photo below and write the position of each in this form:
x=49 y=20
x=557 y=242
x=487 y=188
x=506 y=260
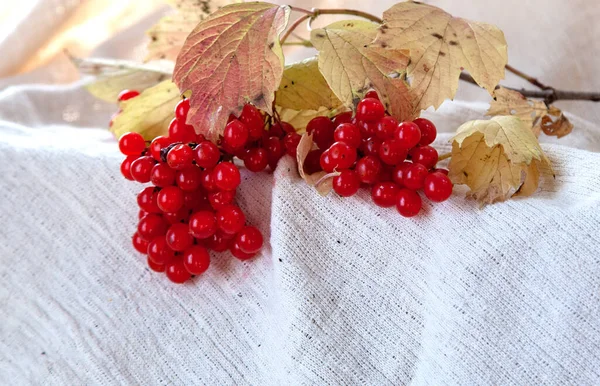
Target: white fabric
x=344 y=293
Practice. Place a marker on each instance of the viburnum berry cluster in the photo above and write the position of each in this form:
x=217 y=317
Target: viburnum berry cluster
x=189 y=208
x=395 y=159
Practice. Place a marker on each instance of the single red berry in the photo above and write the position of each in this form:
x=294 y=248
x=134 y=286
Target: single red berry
x=200 y=138
x=399 y=172
x=370 y=110
x=189 y=179
x=342 y=156
x=437 y=187
x=414 y=176
x=237 y=252
x=235 y=136
x=195 y=200
x=179 y=237
x=408 y=203
x=249 y=240
x=346 y=184
x=372 y=94
x=256 y=159
x=392 y=152
x=443 y=171
x=207 y=154
x=428 y=131
x=226 y=176
x=159 y=252
x=370 y=146
x=176 y=271
x=180 y=157
x=367 y=129
x=139 y=243
x=276 y=130
x=326 y=162
x=290 y=142
x=170 y=199
x=132 y=144
x=368 y=169
x=384 y=194
x=219 y=242
x=141 y=214
x=221 y=198
x=254 y=121
x=126 y=166
x=207 y=180
x=127 y=94
x=408 y=134
x=424 y=155
x=322 y=130
x=230 y=219
x=162 y=175
x=385 y=175
x=196 y=260
x=157 y=145
x=152 y=226
x=141 y=169
x=349 y=134
x=274 y=149
x=287 y=127
x=181 y=109
x=386 y=128
x=147 y=200
x=179 y=131
x=345 y=117
x=203 y=224
x=312 y=162
x=182 y=216
x=155 y=267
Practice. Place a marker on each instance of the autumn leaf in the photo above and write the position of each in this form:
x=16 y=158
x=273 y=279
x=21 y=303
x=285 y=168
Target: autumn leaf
x=149 y=113
x=555 y=123
x=322 y=181
x=497 y=159
x=440 y=46
x=113 y=76
x=232 y=58
x=300 y=118
x=352 y=66
x=169 y=33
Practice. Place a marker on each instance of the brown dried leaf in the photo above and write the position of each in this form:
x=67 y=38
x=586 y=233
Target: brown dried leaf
x=232 y=58
x=555 y=123
x=322 y=185
x=440 y=46
x=496 y=159
x=352 y=66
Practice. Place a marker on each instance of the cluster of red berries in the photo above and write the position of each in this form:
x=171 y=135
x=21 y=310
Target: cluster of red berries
x=189 y=209
x=394 y=158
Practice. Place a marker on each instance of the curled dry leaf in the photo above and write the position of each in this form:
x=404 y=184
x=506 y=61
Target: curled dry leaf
x=440 y=45
x=555 y=123
x=149 y=113
x=233 y=57
x=169 y=33
x=496 y=159
x=352 y=66
x=320 y=180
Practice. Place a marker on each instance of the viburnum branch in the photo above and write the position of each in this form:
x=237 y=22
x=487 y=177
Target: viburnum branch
x=299 y=21
x=528 y=78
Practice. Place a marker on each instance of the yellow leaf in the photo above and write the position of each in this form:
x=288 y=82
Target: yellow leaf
x=352 y=66
x=496 y=159
x=300 y=118
x=149 y=113
x=169 y=33
x=440 y=45
x=232 y=58
x=322 y=181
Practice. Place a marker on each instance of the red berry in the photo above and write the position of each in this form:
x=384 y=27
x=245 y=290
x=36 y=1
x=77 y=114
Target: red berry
x=146 y=200
x=141 y=214
x=155 y=267
x=276 y=130
x=182 y=215
x=256 y=159
x=392 y=152
x=370 y=146
x=152 y=226
x=196 y=260
x=200 y=138
x=312 y=162
x=176 y=271
x=253 y=120
x=203 y=224
x=443 y=171
x=408 y=134
x=159 y=252
x=345 y=117
x=219 y=242
x=139 y=243
x=384 y=194
x=132 y=144
x=162 y=175
x=195 y=200
x=346 y=184
x=414 y=176
x=179 y=237
x=157 y=145
x=408 y=203
x=399 y=172
x=180 y=157
x=235 y=135
x=230 y=219
x=226 y=176
x=367 y=129
x=274 y=149
x=249 y=240
x=386 y=128
x=370 y=110
x=141 y=169
x=372 y=94
x=189 y=179
x=342 y=156
x=127 y=94
x=181 y=109
x=322 y=130
x=126 y=166
x=207 y=154
x=221 y=198
x=386 y=173
x=424 y=155
x=179 y=131
x=208 y=181
x=326 y=162
x=428 y=131
x=237 y=252
x=290 y=142
x=170 y=199
x=368 y=169
x=349 y=134
x=437 y=187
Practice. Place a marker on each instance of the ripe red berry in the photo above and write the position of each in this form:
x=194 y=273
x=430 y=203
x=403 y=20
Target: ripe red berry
x=139 y=243
x=196 y=260
x=342 y=156
x=274 y=149
x=278 y=130
x=146 y=200
x=428 y=131
x=182 y=215
x=235 y=136
x=408 y=203
x=398 y=173
x=326 y=162
x=312 y=162
x=207 y=154
x=346 y=184
x=195 y=200
x=256 y=159
x=176 y=271
x=414 y=176
x=155 y=267
x=368 y=169
x=126 y=166
x=180 y=157
x=370 y=146
x=181 y=109
x=384 y=194
x=170 y=199
x=237 y=252
x=162 y=175
x=322 y=130
x=152 y=226
x=386 y=128
x=207 y=180
x=141 y=169
x=159 y=252
x=230 y=219
x=219 y=242
x=203 y=224
x=370 y=110
x=290 y=142
x=127 y=94
x=408 y=134
x=349 y=134
x=132 y=144
x=221 y=198
x=367 y=129
x=157 y=145
x=253 y=120
x=249 y=240
x=392 y=152
x=189 y=179
x=437 y=187
x=141 y=214
x=345 y=117
x=424 y=155
x=179 y=237
x=179 y=131
x=226 y=176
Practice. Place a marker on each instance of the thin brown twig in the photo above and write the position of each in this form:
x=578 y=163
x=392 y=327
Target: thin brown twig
x=528 y=78
x=300 y=20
